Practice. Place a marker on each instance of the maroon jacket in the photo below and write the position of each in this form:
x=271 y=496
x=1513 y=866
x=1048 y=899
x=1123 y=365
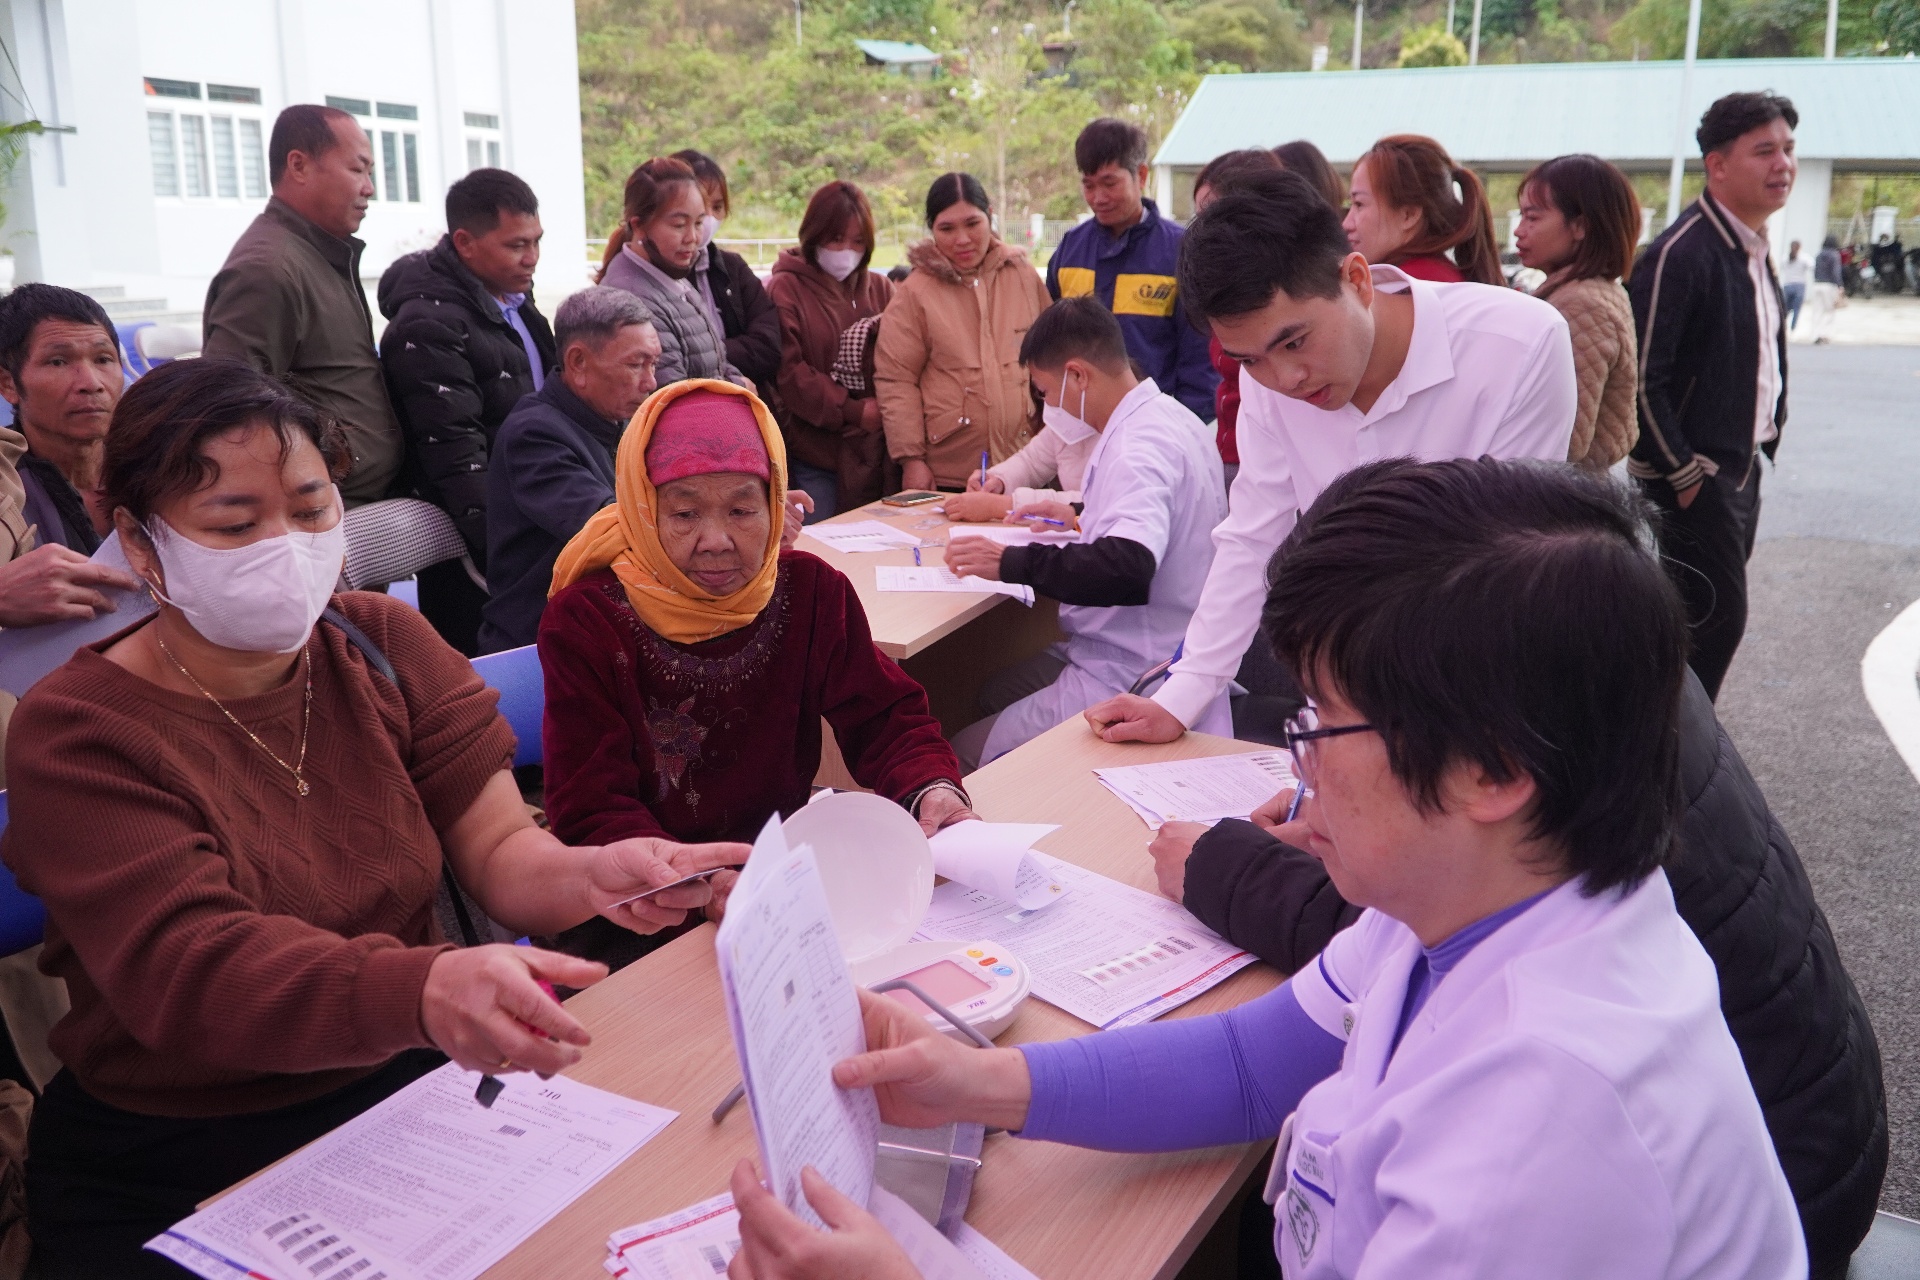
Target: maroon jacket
x=820 y=418
x=705 y=741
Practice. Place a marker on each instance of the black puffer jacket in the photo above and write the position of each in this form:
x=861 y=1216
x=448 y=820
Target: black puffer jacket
x=454 y=369
x=1738 y=883
x=748 y=315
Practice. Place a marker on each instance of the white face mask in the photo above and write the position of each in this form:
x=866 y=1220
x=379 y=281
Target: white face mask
x=1069 y=427
x=709 y=228
x=262 y=598
x=838 y=263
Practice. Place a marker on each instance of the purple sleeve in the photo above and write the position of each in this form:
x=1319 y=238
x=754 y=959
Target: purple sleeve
x=1171 y=1086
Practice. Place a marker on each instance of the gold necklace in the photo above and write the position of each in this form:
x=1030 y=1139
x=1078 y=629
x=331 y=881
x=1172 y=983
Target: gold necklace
x=306 y=719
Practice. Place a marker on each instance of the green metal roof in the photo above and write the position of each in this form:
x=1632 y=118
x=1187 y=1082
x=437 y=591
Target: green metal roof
x=896 y=51
x=1864 y=111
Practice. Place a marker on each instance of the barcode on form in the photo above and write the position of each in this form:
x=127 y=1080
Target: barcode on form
x=511 y=1132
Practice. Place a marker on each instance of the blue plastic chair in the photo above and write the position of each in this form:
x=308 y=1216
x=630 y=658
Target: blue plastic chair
x=523 y=696
x=23 y=921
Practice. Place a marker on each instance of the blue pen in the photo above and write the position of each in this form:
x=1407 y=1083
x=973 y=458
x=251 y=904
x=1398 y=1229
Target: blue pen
x=1299 y=793
x=983 y=468
x=916 y=553
x=1058 y=524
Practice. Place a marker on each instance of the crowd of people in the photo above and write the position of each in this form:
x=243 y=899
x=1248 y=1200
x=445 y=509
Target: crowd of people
x=1562 y=1001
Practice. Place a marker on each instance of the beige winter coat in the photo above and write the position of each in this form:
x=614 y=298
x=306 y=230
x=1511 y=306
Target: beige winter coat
x=947 y=367
x=1606 y=365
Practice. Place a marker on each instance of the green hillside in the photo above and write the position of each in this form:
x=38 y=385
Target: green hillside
x=1017 y=80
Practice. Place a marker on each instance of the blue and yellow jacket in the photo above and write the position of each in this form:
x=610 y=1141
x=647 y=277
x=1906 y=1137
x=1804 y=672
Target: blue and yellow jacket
x=1133 y=277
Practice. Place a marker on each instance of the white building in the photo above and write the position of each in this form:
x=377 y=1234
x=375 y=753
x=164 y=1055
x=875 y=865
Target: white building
x=159 y=112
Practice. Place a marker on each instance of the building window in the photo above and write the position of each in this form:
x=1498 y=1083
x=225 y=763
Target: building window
x=226 y=165
x=232 y=93
x=166 y=171
x=483 y=148
x=481 y=120
x=193 y=155
x=394 y=111
x=409 y=144
x=352 y=106
x=158 y=88
x=396 y=165
x=474 y=158
x=253 y=167
x=493 y=153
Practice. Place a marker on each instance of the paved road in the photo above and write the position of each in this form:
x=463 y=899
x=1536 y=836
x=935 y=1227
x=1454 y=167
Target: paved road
x=1839 y=556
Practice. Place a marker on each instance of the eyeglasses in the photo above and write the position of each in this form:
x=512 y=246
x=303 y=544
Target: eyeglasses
x=1303 y=734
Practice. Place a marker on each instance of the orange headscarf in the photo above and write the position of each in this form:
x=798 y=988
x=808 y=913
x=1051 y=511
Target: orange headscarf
x=625 y=538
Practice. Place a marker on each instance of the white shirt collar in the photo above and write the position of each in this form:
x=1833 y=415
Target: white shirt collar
x=1429 y=359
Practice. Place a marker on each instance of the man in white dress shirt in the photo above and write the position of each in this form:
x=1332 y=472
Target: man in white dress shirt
x=1150 y=499
x=1342 y=363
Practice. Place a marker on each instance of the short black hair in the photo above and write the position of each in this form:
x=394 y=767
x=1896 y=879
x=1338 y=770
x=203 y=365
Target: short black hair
x=1506 y=614
x=1108 y=141
x=1268 y=233
x=1739 y=114
x=1075 y=328
x=950 y=189
x=306 y=127
x=22 y=311
x=475 y=202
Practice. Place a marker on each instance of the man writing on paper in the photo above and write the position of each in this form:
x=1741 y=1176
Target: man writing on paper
x=1152 y=494
x=1341 y=363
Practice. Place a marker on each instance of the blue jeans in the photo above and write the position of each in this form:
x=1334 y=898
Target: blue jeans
x=1795 y=295
x=822 y=485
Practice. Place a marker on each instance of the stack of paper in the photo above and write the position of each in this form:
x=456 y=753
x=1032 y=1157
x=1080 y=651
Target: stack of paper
x=1010 y=535
x=1107 y=953
x=428 y=1185
x=698 y=1242
x=895 y=577
x=860 y=535
x=997 y=858
x=1203 y=790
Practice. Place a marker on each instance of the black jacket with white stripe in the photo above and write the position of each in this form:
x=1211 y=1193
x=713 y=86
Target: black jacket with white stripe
x=1693 y=305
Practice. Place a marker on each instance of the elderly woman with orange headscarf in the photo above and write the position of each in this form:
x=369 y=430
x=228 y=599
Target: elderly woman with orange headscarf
x=689 y=659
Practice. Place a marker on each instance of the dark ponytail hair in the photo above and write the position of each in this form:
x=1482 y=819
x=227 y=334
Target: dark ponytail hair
x=647 y=189
x=1408 y=171
x=950 y=189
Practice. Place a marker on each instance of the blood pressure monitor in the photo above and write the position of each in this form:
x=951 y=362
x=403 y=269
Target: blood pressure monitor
x=877 y=869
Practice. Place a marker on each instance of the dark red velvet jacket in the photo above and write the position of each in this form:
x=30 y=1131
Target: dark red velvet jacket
x=704 y=741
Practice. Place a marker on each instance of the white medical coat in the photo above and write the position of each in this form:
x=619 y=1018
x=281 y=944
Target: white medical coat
x=1154 y=478
x=1569 y=1103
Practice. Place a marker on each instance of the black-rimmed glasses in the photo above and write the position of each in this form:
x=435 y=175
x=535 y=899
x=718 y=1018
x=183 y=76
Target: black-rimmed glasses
x=1303 y=732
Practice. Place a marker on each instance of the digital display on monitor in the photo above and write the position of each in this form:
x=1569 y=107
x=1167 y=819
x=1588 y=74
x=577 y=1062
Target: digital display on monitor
x=945 y=981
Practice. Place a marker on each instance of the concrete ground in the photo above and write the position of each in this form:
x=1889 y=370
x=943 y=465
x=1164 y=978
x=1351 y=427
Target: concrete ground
x=1878 y=321
x=1838 y=558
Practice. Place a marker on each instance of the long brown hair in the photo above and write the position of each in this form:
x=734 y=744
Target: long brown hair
x=1408 y=171
x=832 y=207
x=647 y=189
x=1307 y=160
x=1589 y=189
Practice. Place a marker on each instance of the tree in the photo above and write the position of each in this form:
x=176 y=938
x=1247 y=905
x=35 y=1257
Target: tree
x=1131 y=61
x=1432 y=47
x=1899 y=24
x=1243 y=35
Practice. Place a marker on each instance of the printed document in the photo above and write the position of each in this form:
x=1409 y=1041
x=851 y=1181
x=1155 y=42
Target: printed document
x=429 y=1182
x=1107 y=953
x=997 y=858
x=794 y=1014
x=1014 y=535
x=1206 y=789
x=698 y=1242
x=913 y=577
x=860 y=535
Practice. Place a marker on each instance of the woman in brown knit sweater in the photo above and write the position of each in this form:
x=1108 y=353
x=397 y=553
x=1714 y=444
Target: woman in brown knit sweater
x=1579 y=222
x=238 y=828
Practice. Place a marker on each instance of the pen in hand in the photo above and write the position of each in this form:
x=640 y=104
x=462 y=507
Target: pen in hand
x=983 y=470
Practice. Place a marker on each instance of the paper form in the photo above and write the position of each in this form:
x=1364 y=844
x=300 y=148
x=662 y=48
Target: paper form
x=1107 y=953
x=1014 y=535
x=997 y=858
x=438 y=1186
x=1201 y=790
x=860 y=535
x=897 y=577
x=698 y=1242
x=794 y=1014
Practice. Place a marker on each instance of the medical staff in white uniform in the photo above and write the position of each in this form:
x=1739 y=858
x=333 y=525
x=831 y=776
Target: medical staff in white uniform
x=1514 y=1065
x=1150 y=498
x=1342 y=363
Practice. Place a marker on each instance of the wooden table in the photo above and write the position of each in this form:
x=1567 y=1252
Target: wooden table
x=947 y=640
x=660 y=1036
